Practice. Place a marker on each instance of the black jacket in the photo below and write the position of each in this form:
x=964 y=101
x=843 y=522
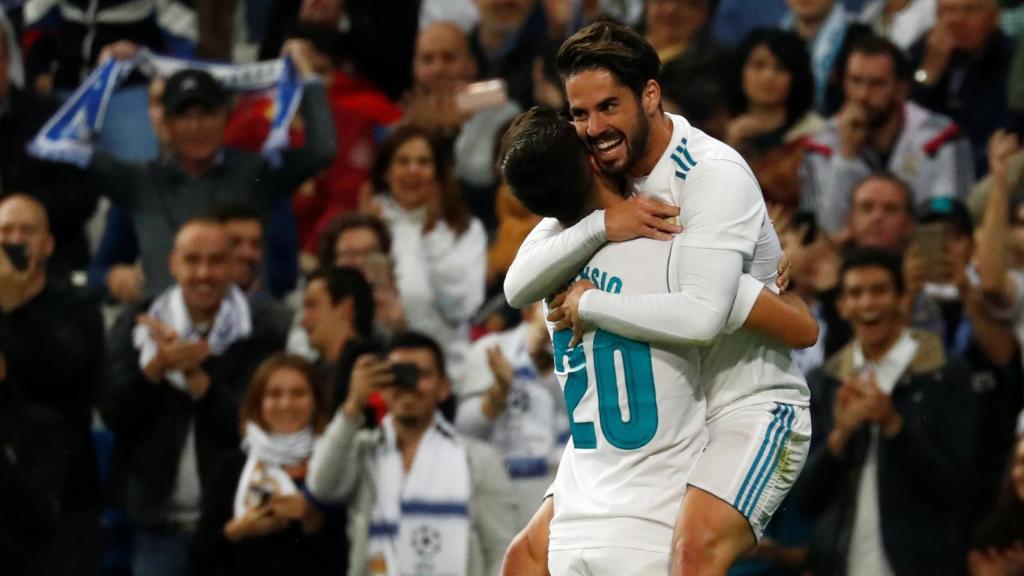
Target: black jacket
x=150 y=421
x=924 y=472
x=288 y=552
x=54 y=345
x=32 y=471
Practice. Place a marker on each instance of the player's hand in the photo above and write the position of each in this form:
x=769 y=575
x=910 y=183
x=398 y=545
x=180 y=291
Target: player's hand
x=641 y=217
x=571 y=307
x=782 y=280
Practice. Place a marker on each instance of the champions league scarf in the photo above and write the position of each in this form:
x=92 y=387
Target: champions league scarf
x=263 y=475
x=67 y=137
x=420 y=520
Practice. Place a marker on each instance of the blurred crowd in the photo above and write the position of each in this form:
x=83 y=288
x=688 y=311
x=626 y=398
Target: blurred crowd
x=218 y=361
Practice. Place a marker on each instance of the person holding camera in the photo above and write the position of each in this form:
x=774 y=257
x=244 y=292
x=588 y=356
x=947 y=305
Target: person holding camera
x=51 y=335
x=257 y=516
x=422 y=498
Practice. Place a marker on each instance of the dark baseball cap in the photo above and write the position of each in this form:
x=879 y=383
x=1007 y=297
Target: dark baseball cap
x=192 y=87
x=943 y=209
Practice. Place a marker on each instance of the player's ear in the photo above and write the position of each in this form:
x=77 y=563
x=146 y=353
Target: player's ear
x=651 y=97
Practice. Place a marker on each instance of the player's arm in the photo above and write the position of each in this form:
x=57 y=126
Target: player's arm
x=527 y=555
x=552 y=253
x=785 y=319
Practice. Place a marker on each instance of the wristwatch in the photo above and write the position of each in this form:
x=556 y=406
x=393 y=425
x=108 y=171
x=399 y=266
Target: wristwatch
x=921 y=76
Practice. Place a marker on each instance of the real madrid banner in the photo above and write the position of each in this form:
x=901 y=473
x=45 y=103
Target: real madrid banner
x=67 y=137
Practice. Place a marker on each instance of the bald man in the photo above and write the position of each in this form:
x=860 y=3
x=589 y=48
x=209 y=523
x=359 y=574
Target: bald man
x=178 y=368
x=52 y=338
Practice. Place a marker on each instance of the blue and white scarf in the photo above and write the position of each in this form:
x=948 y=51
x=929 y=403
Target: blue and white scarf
x=420 y=519
x=67 y=137
x=232 y=323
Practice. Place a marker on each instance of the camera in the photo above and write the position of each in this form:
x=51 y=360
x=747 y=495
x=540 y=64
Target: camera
x=406 y=376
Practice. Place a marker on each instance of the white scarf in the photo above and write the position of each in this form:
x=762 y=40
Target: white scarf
x=263 y=475
x=233 y=323
x=420 y=521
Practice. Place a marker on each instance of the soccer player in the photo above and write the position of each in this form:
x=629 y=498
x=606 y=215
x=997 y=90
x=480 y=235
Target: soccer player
x=756 y=397
x=624 y=488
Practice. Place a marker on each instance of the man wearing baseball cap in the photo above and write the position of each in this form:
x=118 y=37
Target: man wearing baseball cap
x=197 y=172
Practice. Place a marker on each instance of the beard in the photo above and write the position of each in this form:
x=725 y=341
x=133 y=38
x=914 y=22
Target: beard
x=636 y=143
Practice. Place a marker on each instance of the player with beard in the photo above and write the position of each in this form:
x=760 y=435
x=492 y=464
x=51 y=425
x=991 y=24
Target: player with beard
x=879 y=129
x=757 y=420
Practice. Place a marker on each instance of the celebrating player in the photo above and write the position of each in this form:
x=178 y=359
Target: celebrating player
x=756 y=397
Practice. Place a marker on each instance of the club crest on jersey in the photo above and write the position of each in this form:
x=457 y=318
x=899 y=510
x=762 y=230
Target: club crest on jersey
x=602 y=280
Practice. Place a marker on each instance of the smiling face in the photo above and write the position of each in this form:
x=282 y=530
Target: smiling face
x=288 y=402
x=412 y=176
x=196 y=134
x=870 y=302
x=609 y=118
x=200 y=263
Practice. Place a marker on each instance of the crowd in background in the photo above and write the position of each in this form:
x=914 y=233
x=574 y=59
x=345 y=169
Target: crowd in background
x=212 y=362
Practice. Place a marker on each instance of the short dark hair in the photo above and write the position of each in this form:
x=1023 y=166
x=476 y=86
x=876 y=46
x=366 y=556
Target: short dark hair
x=873 y=45
x=351 y=221
x=546 y=164
x=891 y=177
x=613 y=47
x=232 y=212
x=789 y=49
x=858 y=258
x=411 y=340
x=346 y=282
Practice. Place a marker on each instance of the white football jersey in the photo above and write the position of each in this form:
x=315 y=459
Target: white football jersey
x=636 y=419
x=742 y=368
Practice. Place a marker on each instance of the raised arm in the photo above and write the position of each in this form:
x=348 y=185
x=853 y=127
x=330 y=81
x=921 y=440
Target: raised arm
x=993 y=255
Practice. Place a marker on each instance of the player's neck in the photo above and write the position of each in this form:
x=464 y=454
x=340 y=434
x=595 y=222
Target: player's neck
x=661 y=135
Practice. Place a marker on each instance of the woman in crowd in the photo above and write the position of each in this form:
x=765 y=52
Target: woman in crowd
x=439 y=249
x=998 y=548
x=257 y=516
x=772 y=97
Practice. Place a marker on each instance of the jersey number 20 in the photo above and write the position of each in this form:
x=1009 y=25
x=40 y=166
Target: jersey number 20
x=639 y=381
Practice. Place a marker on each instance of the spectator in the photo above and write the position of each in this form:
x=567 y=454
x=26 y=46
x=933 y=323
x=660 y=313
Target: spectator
x=772 y=92
x=891 y=451
x=902 y=22
x=337 y=314
x=418 y=459
x=877 y=129
x=506 y=45
x=63 y=38
x=22 y=114
x=882 y=214
x=822 y=25
x=943 y=296
x=996 y=547
x=198 y=171
x=175 y=379
x=245 y=228
x=443 y=67
x=734 y=19
x=258 y=517
x=52 y=338
x=360 y=112
x=961 y=67
x=363 y=242
x=514 y=224
x=510 y=398
x=679 y=28
x=438 y=248
x=1001 y=284
x=32 y=473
